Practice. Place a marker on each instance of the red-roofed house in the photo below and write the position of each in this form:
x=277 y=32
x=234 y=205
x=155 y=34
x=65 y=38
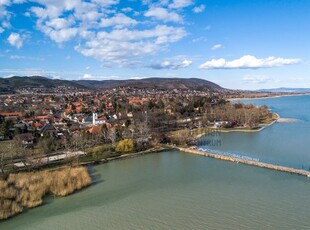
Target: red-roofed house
x=14 y=114
x=95 y=129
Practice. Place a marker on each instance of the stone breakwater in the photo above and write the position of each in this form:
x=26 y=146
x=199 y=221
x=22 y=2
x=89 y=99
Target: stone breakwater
x=246 y=161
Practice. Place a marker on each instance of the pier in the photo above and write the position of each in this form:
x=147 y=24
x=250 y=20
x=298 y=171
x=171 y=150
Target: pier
x=246 y=161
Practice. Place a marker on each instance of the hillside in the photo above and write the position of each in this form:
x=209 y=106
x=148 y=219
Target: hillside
x=154 y=83
x=10 y=85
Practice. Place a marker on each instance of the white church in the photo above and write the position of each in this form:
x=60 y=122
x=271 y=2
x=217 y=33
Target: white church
x=98 y=121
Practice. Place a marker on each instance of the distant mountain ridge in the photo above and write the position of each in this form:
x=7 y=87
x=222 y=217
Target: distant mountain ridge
x=15 y=83
x=286 y=90
x=154 y=83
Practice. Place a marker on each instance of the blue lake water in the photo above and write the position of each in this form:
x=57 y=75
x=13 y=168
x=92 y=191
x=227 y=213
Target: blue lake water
x=282 y=143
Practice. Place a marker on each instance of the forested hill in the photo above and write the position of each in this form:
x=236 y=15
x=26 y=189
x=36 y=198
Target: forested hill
x=10 y=85
x=154 y=83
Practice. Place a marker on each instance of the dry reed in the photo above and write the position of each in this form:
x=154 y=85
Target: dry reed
x=28 y=189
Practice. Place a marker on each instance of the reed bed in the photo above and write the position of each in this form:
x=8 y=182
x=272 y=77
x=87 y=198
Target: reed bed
x=27 y=190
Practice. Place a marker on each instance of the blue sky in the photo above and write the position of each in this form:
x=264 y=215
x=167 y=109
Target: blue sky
x=243 y=44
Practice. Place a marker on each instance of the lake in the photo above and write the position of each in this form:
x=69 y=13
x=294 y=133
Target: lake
x=282 y=143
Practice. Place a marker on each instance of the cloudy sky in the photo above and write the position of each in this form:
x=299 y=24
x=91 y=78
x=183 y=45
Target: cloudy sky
x=244 y=44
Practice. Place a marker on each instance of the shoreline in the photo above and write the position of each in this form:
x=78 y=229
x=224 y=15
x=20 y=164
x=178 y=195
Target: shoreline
x=127 y=156
x=193 y=150
x=61 y=168
x=268 y=97
x=259 y=128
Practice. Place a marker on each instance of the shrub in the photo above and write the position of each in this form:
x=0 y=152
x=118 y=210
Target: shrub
x=124 y=146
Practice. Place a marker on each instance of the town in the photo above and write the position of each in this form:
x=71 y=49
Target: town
x=38 y=127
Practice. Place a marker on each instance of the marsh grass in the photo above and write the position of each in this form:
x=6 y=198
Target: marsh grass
x=8 y=204
x=27 y=190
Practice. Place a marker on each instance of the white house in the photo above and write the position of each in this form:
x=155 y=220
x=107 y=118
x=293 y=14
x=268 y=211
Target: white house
x=98 y=121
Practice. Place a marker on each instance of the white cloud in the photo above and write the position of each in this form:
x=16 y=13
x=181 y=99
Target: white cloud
x=216 y=47
x=249 y=62
x=89 y=13
x=40 y=72
x=19 y=1
x=4 y=2
x=199 y=9
x=199 y=39
x=136 y=78
x=62 y=35
x=256 y=79
x=87 y=76
x=16 y=40
x=14 y=57
x=186 y=63
x=177 y=4
x=1 y=30
x=26 y=72
x=4 y=16
x=18 y=57
x=172 y=64
x=101 y=30
x=50 y=11
x=122 y=46
x=106 y=3
x=98 y=77
x=59 y=23
x=160 y=34
x=127 y=9
x=8 y=76
x=119 y=20
x=6 y=24
x=163 y=14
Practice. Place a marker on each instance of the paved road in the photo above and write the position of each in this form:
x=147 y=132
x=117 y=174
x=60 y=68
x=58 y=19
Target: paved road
x=50 y=159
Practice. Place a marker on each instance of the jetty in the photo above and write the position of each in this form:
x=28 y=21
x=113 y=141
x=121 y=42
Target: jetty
x=245 y=161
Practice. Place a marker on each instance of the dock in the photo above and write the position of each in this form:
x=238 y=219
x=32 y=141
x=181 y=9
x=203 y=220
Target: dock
x=246 y=162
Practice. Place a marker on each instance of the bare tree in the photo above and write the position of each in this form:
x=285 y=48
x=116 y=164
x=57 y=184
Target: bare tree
x=2 y=161
x=112 y=136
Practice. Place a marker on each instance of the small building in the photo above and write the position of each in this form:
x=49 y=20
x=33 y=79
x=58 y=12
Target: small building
x=87 y=120
x=98 y=120
x=26 y=139
x=48 y=130
x=14 y=114
x=95 y=129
